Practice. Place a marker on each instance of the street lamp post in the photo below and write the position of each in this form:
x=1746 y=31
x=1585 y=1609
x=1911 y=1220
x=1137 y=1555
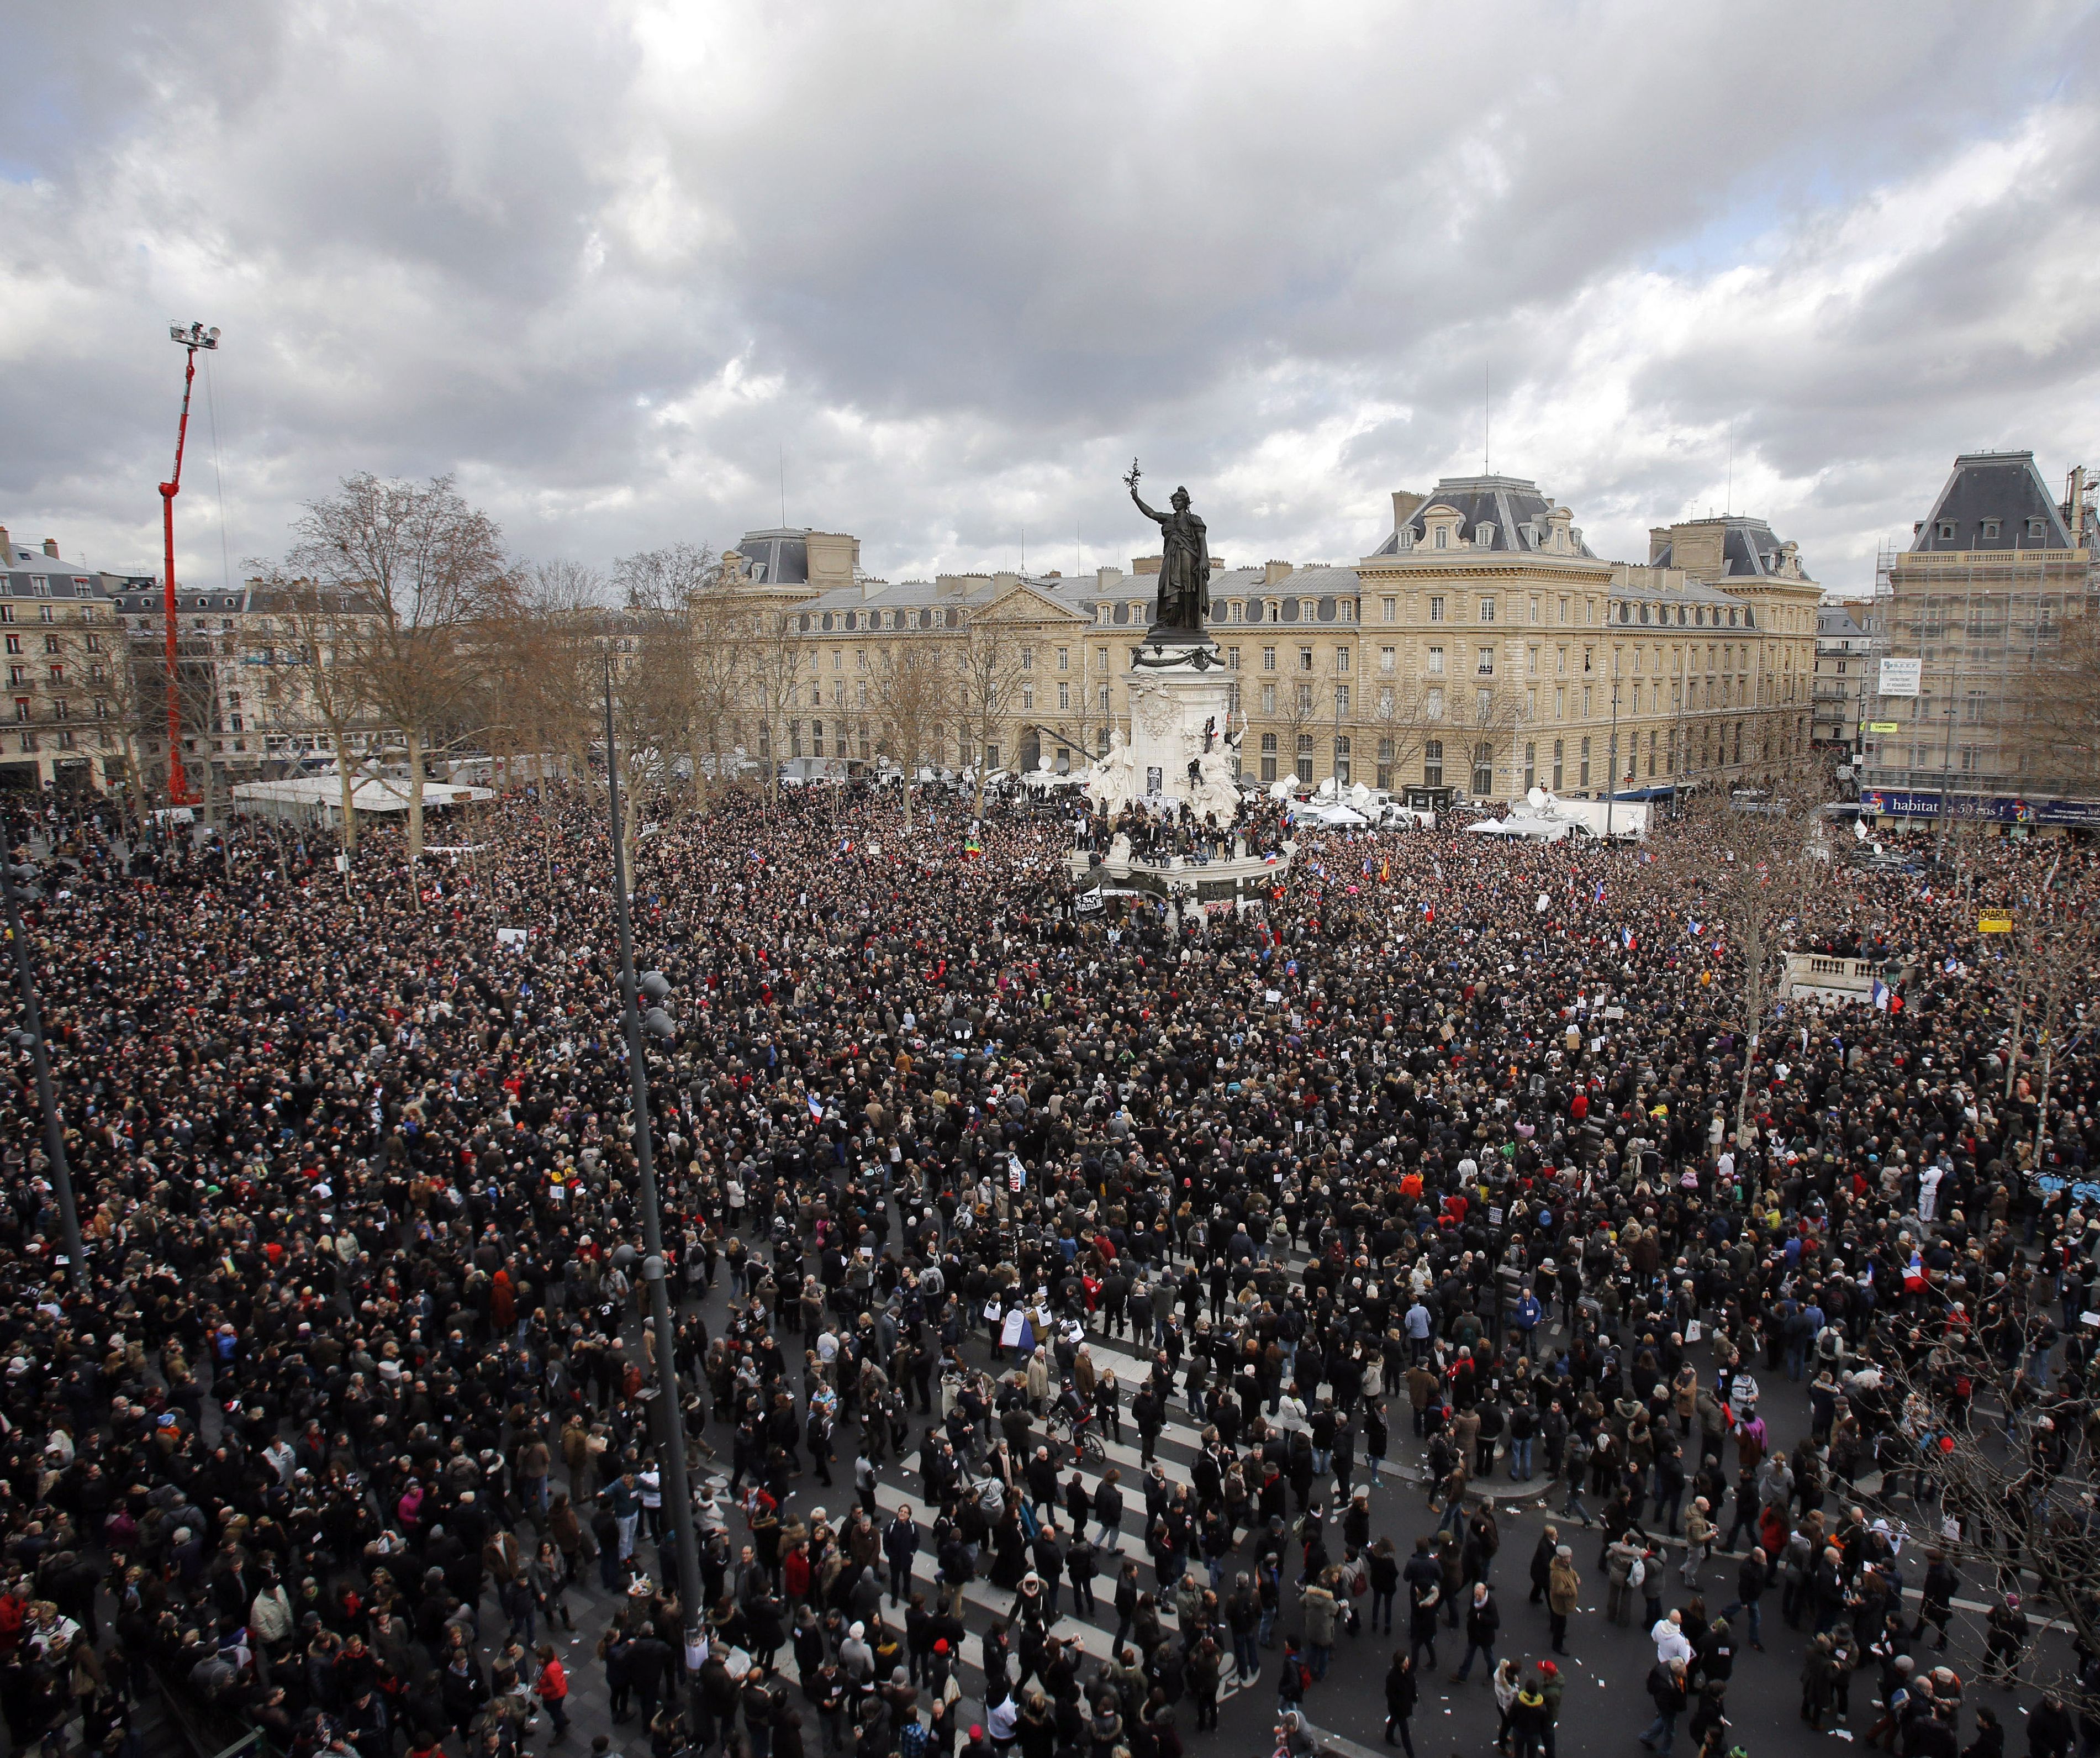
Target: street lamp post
x=54 y=1127
x=673 y=1433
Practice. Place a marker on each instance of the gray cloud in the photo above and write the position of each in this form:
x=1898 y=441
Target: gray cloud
x=957 y=262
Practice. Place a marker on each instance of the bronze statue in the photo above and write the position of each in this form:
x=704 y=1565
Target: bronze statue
x=1184 y=600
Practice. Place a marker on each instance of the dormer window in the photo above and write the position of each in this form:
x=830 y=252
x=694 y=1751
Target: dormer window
x=1946 y=531
x=1443 y=536
x=1484 y=536
x=1990 y=531
x=2037 y=528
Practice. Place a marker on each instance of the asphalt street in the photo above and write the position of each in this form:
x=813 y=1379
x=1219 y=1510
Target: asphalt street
x=1605 y=1706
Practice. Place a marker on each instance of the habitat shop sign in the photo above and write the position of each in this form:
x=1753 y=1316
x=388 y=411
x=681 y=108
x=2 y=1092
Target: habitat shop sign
x=2005 y=808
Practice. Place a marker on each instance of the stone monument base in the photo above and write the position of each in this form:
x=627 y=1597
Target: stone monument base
x=1181 y=752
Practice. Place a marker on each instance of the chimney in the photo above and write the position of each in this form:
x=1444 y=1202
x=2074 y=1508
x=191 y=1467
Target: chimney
x=2077 y=511
x=1271 y=572
x=1145 y=564
x=6 y=548
x=51 y=548
x=1405 y=506
x=1658 y=540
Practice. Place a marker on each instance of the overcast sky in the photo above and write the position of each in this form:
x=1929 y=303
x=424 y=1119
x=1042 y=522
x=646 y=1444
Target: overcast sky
x=615 y=263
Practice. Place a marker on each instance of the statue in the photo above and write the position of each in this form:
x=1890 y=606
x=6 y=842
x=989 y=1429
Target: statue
x=1184 y=599
x=1112 y=782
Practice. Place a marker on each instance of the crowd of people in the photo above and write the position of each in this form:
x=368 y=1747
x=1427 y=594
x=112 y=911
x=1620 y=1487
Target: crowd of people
x=964 y=1188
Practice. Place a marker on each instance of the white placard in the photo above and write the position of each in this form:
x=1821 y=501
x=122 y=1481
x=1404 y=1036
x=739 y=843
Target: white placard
x=1899 y=676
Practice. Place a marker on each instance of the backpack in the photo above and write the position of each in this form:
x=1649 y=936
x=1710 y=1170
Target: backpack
x=912 y=1741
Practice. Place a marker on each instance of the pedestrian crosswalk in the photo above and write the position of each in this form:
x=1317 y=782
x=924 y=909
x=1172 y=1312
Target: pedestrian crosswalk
x=1178 y=1443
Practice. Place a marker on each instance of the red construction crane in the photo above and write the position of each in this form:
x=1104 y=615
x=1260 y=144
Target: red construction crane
x=189 y=340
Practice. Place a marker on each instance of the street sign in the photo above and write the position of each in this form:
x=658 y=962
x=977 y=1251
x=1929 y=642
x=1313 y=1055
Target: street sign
x=1994 y=924
x=1899 y=676
x=1884 y=726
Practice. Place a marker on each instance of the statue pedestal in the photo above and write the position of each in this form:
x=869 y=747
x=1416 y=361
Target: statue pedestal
x=1177 y=688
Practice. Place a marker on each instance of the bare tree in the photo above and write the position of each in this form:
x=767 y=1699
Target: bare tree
x=987 y=683
x=915 y=696
x=312 y=681
x=2052 y=718
x=770 y=677
x=553 y=663
x=1400 y=715
x=433 y=569
x=1988 y=1460
x=1750 y=870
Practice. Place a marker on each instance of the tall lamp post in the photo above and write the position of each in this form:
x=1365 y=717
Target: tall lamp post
x=190 y=340
x=676 y=1491
x=33 y=1039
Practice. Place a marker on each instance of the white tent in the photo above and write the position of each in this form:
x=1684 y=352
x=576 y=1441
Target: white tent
x=303 y=798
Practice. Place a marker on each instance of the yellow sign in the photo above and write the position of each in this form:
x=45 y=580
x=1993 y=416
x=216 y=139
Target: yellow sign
x=1994 y=924
x=1884 y=726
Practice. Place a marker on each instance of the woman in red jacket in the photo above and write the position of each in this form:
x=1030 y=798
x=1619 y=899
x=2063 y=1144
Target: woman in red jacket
x=554 y=1689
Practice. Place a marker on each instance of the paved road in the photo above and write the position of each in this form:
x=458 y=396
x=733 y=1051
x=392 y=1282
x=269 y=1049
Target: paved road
x=1604 y=1707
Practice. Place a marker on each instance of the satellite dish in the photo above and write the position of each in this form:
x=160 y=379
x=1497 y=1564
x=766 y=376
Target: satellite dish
x=1536 y=799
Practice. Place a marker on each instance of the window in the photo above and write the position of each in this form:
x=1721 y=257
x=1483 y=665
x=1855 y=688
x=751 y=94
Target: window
x=1483 y=705
x=1484 y=769
x=1268 y=699
x=1239 y=611
x=1341 y=659
x=2037 y=528
x=21 y=707
x=1027 y=659
x=1100 y=659
x=1560 y=751
x=1268 y=756
x=1304 y=659
x=1341 y=701
x=1386 y=660
x=1342 y=760
x=101 y=709
x=1305 y=699
x=1304 y=757
x=14 y=643
x=1487 y=610
x=1443 y=537
x=1561 y=702
x=1586 y=709
x=1991 y=530
x=44 y=613
x=1436 y=604
x=1484 y=666
x=1027 y=697
x=58 y=675
x=1436 y=662
x=1563 y=610
x=1104 y=703
x=1432 y=763
x=1530 y=767
x=1388 y=609
x=1531 y=661
x=1268 y=659
x=1232 y=659
x=19 y=676
x=1064 y=659
x=1946 y=531
x=1432 y=705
